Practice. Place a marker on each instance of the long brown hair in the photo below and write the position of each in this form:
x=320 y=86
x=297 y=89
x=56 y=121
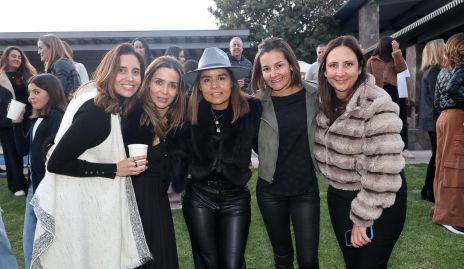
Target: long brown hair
x=56 y=99
x=25 y=70
x=326 y=92
x=105 y=76
x=454 y=53
x=384 y=49
x=237 y=100
x=267 y=45
x=175 y=115
x=53 y=43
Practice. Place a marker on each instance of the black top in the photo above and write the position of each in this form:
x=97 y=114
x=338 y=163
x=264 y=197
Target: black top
x=20 y=87
x=225 y=155
x=294 y=172
x=455 y=87
x=90 y=127
x=65 y=71
x=427 y=121
x=158 y=166
x=37 y=147
x=21 y=93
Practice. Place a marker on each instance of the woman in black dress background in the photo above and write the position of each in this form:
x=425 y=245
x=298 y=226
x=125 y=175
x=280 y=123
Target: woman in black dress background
x=15 y=71
x=161 y=113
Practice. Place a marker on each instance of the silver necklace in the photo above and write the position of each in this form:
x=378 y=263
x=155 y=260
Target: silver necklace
x=216 y=121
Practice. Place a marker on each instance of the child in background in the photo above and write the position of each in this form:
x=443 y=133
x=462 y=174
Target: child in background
x=46 y=96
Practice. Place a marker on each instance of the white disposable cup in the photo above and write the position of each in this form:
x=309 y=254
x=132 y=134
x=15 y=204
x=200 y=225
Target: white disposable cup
x=15 y=109
x=137 y=150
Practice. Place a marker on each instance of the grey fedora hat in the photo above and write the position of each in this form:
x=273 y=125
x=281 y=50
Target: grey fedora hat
x=213 y=58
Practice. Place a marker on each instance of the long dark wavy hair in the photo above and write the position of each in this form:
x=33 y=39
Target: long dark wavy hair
x=148 y=55
x=384 y=49
x=25 y=70
x=175 y=115
x=326 y=92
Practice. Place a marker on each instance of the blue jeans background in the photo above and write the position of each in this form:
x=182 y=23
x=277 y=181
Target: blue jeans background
x=7 y=258
x=29 y=228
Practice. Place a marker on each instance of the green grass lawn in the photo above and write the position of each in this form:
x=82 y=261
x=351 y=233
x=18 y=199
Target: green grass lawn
x=421 y=245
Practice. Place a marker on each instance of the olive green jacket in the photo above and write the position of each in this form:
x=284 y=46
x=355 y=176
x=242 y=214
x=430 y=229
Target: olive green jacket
x=268 y=137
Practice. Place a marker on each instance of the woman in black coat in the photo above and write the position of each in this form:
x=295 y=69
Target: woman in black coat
x=221 y=128
x=432 y=58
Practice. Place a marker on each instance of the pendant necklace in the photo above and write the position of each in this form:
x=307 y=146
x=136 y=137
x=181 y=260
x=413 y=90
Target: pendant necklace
x=216 y=121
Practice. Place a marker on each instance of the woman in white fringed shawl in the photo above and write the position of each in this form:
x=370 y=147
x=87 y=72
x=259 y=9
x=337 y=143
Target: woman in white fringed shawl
x=358 y=150
x=85 y=205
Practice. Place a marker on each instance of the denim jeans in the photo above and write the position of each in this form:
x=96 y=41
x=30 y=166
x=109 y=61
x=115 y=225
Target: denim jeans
x=29 y=228
x=7 y=258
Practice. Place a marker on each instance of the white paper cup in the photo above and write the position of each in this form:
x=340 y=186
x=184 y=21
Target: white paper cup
x=137 y=150
x=15 y=109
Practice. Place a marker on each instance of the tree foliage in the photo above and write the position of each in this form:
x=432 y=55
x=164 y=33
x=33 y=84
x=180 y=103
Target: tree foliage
x=304 y=24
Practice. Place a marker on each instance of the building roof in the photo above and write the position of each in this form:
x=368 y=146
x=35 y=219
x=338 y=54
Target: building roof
x=105 y=40
x=441 y=22
x=90 y=46
x=393 y=14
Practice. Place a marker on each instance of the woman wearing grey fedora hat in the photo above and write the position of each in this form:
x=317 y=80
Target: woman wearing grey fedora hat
x=221 y=129
x=287 y=190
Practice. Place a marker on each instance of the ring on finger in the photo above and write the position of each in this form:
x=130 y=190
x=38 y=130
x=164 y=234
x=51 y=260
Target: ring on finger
x=135 y=164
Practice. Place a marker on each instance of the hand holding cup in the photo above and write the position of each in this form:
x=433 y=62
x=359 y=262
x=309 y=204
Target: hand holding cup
x=136 y=163
x=15 y=108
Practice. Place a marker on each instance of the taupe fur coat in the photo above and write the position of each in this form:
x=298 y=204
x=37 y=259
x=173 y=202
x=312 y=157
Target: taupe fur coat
x=361 y=150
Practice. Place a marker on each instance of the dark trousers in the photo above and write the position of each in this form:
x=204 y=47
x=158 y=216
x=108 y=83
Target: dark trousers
x=13 y=162
x=218 y=220
x=304 y=213
x=427 y=190
x=387 y=228
x=401 y=102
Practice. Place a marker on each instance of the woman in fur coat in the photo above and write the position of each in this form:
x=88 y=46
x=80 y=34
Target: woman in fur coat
x=358 y=149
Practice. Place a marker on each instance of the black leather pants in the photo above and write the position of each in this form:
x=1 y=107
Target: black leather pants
x=218 y=219
x=304 y=212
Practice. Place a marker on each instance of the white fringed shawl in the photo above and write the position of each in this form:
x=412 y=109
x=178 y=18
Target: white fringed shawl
x=88 y=222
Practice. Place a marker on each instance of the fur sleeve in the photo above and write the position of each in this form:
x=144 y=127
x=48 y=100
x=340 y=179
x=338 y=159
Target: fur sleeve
x=383 y=162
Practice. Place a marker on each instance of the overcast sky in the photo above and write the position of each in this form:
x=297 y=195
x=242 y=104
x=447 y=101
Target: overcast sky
x=105 y=15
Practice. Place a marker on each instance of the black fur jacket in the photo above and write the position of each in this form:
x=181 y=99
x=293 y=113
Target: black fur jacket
x=206 y=155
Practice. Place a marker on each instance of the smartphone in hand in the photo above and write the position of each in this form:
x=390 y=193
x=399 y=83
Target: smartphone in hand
x=369 y=232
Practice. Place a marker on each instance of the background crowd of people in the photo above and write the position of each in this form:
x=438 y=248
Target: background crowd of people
x=89 y=205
